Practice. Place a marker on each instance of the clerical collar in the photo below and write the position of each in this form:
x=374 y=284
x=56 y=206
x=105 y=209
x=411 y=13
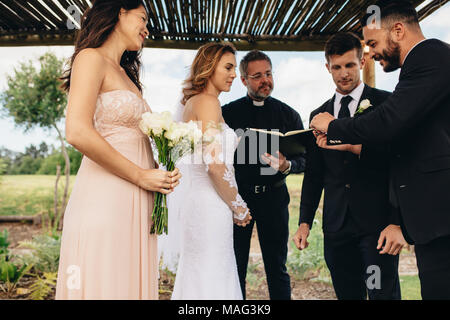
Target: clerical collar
x=255 y=103
x=258 y=103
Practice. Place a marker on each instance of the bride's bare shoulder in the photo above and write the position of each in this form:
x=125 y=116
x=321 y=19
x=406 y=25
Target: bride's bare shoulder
x=204 y=107
x=204 y=104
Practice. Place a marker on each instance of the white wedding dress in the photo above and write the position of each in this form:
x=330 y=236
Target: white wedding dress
x=204 y=205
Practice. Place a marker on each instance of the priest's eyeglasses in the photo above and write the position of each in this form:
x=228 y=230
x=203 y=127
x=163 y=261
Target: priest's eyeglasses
x=259 y=76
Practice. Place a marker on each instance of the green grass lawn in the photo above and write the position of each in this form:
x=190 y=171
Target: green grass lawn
x=28 y=195
x=410 y=287
x=33 y=194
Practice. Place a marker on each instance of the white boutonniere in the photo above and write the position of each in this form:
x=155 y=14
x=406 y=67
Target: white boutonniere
x=365 y=104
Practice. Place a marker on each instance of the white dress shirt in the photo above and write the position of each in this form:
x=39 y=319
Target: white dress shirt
x=353 y=105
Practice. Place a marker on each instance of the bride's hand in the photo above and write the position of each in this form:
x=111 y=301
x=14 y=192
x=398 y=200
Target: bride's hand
x=243 y=223
x=159 y=180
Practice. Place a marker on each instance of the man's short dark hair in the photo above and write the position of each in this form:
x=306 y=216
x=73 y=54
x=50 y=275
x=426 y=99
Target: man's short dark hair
x=341 y=43
x=393 y=11
x=254 y=55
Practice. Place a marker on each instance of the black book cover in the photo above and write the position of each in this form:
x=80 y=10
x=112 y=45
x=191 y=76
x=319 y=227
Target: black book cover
x=292 y=143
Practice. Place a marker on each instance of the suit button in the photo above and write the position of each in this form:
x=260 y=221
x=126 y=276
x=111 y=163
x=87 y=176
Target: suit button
x=347 y=186
x=403 y=186
x=345 y=161
x=398 y=156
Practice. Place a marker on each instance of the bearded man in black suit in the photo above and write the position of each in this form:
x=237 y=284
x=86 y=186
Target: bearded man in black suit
x=415 y=121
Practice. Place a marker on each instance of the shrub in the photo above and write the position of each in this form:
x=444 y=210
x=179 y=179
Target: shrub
x=3 y=167
x=45 y=255
x=10 y=273
x=48 y=165
x=4 y=244
x=42 y=287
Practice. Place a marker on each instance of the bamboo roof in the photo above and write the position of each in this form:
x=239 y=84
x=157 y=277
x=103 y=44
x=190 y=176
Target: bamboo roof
x=272 y=25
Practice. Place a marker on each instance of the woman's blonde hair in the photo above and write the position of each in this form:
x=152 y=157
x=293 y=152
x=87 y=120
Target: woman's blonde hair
x=203 y=67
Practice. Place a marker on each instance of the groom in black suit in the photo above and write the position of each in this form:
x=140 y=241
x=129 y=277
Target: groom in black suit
x=415 y=120
x=362 y=236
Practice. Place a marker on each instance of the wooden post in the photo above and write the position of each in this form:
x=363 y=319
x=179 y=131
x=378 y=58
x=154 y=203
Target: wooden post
x=369 y=69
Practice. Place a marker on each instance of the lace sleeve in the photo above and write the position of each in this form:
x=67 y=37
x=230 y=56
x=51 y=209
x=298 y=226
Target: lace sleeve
x=218 y=154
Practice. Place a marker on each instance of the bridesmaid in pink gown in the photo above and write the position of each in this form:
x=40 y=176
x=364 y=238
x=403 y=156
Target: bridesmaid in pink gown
x=107 y=251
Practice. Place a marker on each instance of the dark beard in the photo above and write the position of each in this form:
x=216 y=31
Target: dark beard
x=260 y=97
x=391 y=56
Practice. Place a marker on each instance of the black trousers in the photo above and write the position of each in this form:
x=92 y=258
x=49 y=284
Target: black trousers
x=271 y=215
x=357 y=269
x=433 y=262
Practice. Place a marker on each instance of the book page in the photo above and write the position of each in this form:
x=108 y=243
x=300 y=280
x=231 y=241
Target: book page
x=290 y=133
x=277 y=133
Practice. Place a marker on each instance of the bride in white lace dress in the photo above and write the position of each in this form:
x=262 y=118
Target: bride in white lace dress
x=207 y=266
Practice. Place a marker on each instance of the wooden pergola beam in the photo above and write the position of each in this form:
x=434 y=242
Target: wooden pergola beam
x=244 y=45
x=271 y=25
x=241 y=42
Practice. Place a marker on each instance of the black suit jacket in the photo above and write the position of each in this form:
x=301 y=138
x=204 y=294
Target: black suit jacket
x=415 y=119
x=359 y=183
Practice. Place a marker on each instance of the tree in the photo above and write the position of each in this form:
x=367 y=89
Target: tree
x=7 y=158
x=29 y=165
x=33 y=98
x=43 y=149
x=32 y=151
x=2 y=168
x=49 y=164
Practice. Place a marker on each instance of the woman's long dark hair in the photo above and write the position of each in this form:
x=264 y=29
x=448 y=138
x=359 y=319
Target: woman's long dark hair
x=97 y=24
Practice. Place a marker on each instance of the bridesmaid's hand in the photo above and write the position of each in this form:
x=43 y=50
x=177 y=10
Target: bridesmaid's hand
x=159 y=180
x=176 y=176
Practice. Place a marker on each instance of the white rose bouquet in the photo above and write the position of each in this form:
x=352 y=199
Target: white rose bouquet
x=173 y=140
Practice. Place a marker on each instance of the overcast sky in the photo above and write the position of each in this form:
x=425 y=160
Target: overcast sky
x=301 y=79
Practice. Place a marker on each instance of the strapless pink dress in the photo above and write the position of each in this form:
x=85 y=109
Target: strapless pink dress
x=107 y=251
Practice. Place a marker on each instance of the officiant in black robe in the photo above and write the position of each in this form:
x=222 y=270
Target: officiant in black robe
x=261 y=172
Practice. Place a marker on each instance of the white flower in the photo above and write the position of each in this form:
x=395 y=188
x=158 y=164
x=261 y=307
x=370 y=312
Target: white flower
x=182 y=132
x=175 y=133
x=365 y=104
x=166 y=120
x=155 y=123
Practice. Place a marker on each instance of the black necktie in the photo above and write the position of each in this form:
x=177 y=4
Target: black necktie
x=344 y=112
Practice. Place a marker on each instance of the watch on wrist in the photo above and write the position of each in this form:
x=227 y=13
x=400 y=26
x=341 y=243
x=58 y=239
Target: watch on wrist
x=288 y=168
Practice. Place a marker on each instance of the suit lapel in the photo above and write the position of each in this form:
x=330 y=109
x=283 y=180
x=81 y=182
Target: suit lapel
x=330 y=106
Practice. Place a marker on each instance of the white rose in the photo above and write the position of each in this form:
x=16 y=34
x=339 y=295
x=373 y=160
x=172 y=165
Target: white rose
x=175 y=132
x=157 y=122
x=166 y=120
x=365 y=104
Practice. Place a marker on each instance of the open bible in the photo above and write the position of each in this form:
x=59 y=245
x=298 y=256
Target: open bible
x=291 y=143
